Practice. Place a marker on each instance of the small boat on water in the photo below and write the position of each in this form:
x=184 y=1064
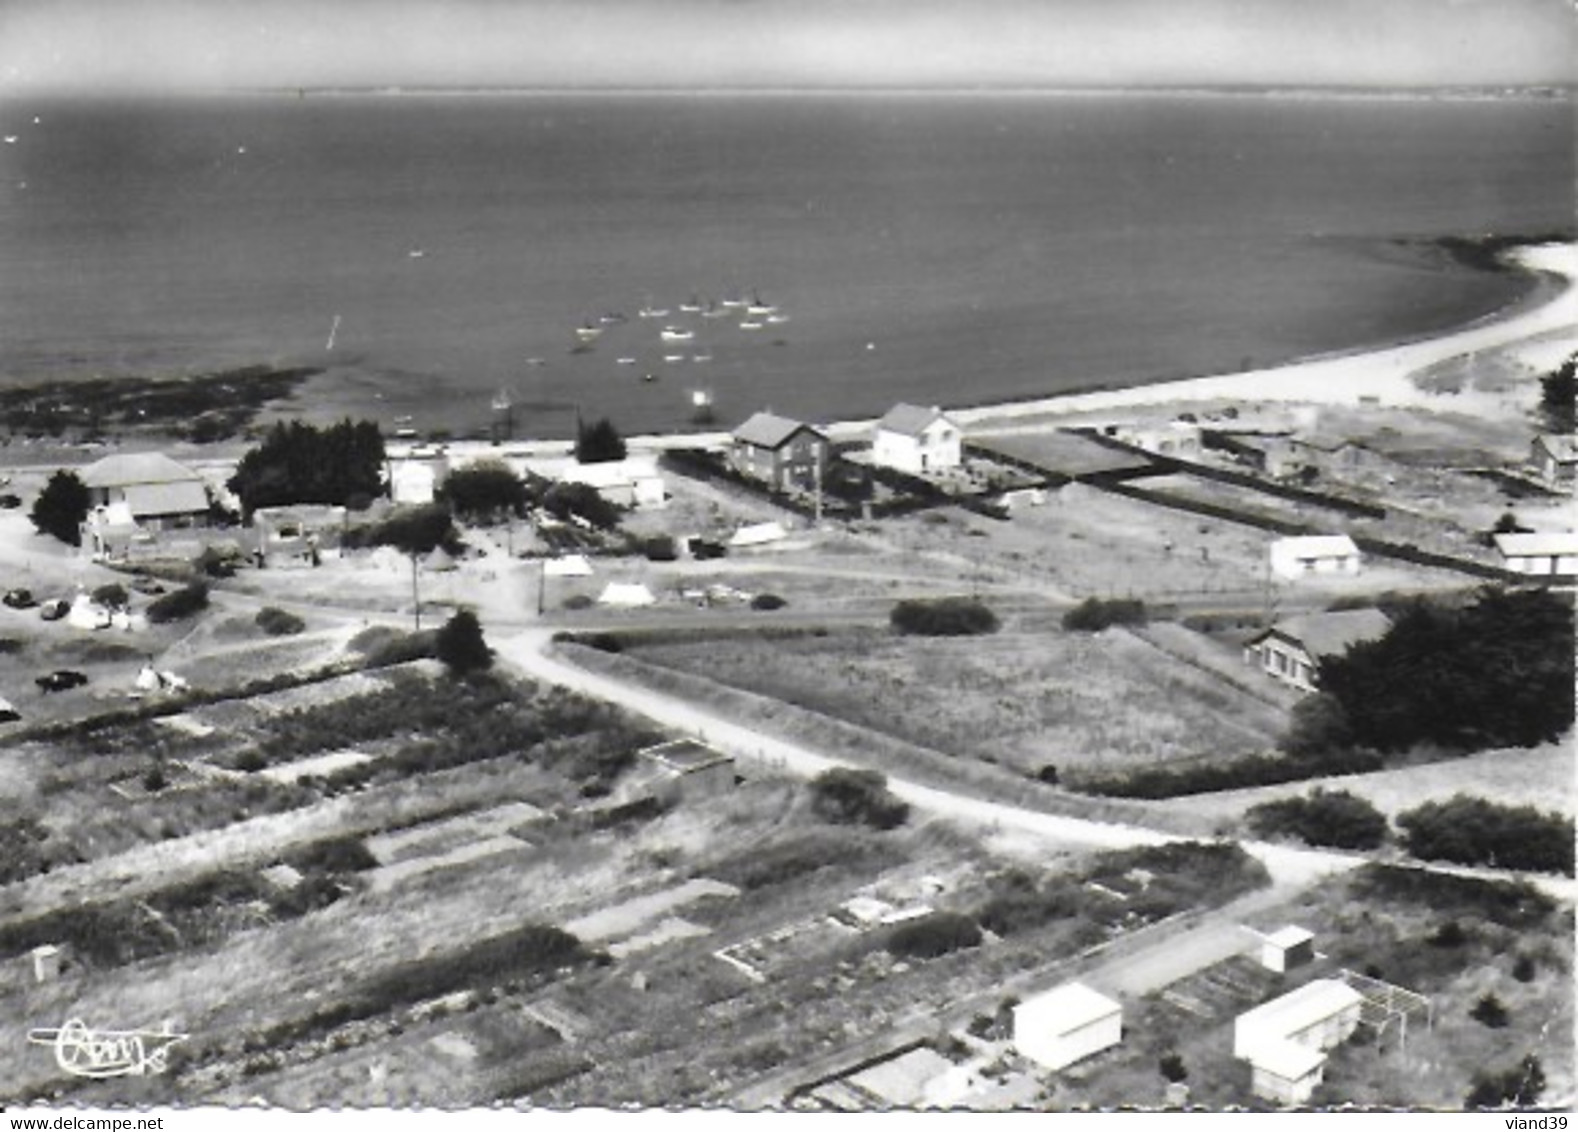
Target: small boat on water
x=626 y=361
x=650 y=311
x=714 y=311
x=417 y=253
x=756 y=306
x=649 y=377
x=777 y=318
x=586 y=332
x=671 y=358
x=612 y=318
x=733 y=303
x=676 y=334
x=750 y=324
x=691 y=306
x=536 y=361
x=701 y=357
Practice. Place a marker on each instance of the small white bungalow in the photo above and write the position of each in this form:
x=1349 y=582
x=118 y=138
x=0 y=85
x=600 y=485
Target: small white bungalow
x=1540 y=553
x=1066 y=1025
x=1300 y=556
x=917 y=440
x=1290 y=650
x=1285 y=1040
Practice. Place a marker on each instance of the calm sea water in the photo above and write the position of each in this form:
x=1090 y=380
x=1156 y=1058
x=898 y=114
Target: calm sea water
x=942 y=249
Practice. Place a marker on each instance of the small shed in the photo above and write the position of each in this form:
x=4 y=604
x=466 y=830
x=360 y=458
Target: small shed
x=688 y=768
x=759 y=534
x=46 y=963
x=1287 y=948
x=567 y=566
x=1300 y=556
x=1066 y=1025
x=1539 y=553
x=1555 y=457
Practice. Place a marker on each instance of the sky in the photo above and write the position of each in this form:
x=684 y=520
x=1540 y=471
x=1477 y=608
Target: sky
x=131 y=45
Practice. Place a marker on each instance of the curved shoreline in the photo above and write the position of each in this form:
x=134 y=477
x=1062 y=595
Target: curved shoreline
x=1364 y=375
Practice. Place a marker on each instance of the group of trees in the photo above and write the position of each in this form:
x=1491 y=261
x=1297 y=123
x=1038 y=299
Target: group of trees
x=943 y=617
x=1473 y=831
x=341 y=465
x=1325 y=817
x=846 y=796
x=1498 y=672
x=1558 y=390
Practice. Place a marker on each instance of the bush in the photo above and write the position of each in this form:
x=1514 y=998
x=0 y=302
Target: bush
x=1520 y=1085
x=187 y=601
x=1171 y=1066
x=1019 y=904
x=846 y=796
x=460 y=645
x=1335 y=818
x=1473 y=831
x=937 y=934
x=599 y=443
x=112 y=596
x=1094 y=614
x=154 y=780
x=578 y=601
x=1489 y=1012
x=768 y=602
x=279 y=622
x=943 y=617
x=1524 y=969
x=1449 y=934
x=1319 y=726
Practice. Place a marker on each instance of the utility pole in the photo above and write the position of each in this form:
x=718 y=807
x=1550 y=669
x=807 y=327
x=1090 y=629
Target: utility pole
x=416 y=596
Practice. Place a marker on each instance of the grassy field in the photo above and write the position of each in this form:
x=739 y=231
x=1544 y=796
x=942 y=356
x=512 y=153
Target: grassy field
x=1024 y=701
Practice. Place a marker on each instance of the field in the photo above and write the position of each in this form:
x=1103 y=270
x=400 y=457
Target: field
x=1020 y=700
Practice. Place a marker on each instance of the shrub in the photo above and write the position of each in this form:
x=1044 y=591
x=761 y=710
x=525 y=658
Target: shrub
x=1319 y=726
x=178 y=604
x=1473 y=831
x=279 y=622
x=660 y=548
x=1513 y=904
x=1171 y=1066
x=578 y=601
x=111 y=596
x=1449 y=934
x=1335 y=818
x=1095 y=614
x=1490 y=1012
x=1523 y=969
x=1047 y=774
x=933 y=935
x=1520 y=1085
x=768 y=602
x=335 y=855
x=154 y=780
x=460 y=645
x=1018 y=904
x=598 y=443
x=943 y=617
x=847 y=796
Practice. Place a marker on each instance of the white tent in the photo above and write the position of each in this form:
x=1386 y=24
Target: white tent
x=626 y=594
x=569 y=566
x=87 y=614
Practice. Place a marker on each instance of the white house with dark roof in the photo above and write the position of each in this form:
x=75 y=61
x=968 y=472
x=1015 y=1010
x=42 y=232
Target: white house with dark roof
x=917 y=440
x=158 y=493
x=779 y=451
x=1290 y=650
x=1539 y=553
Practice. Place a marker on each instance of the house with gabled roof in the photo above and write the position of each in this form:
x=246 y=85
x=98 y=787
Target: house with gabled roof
x=1290 y=651
x=917 y=440
x=157 y=492
x=1538 y=553
x=1298 y=556
x=779 y=451
x=1554 y=457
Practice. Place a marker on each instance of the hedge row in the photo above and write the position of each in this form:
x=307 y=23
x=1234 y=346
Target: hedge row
x=1235 y=774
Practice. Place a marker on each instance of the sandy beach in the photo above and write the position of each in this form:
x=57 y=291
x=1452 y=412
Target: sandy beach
x=1541 y=333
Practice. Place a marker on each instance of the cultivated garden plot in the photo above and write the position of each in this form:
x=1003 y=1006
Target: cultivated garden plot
x=1022 y=700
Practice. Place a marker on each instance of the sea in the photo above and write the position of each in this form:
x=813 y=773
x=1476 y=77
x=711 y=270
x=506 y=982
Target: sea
x=437 y=255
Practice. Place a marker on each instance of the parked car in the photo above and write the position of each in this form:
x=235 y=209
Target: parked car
x=8 y=714
x=19 y=599
x=146 y=585
x=60 y=680
x=54 y=609
x=10 y=502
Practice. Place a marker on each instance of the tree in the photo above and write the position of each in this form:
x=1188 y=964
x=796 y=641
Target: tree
x=112 y=596
x=484 y=491
x=461 y=647
x=297 y=463
x=599 y=443
x=1172 y=1067
x=61 y=507
x=1319 y=726
x=1498 y=672
x=1557 y=392
x=1489 y=1011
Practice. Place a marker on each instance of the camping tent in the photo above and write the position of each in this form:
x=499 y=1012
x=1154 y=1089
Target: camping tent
x=626 y=594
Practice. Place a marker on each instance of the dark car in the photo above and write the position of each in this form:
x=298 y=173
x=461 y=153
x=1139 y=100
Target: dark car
x=10 y=502
x=146 y=585
x=19 y=599
x=60 y=680
x=55 y=609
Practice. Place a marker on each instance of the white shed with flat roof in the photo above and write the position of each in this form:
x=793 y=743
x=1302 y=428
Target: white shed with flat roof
x=1066 y=1025
x=1287 y=948
x=1301 y=555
